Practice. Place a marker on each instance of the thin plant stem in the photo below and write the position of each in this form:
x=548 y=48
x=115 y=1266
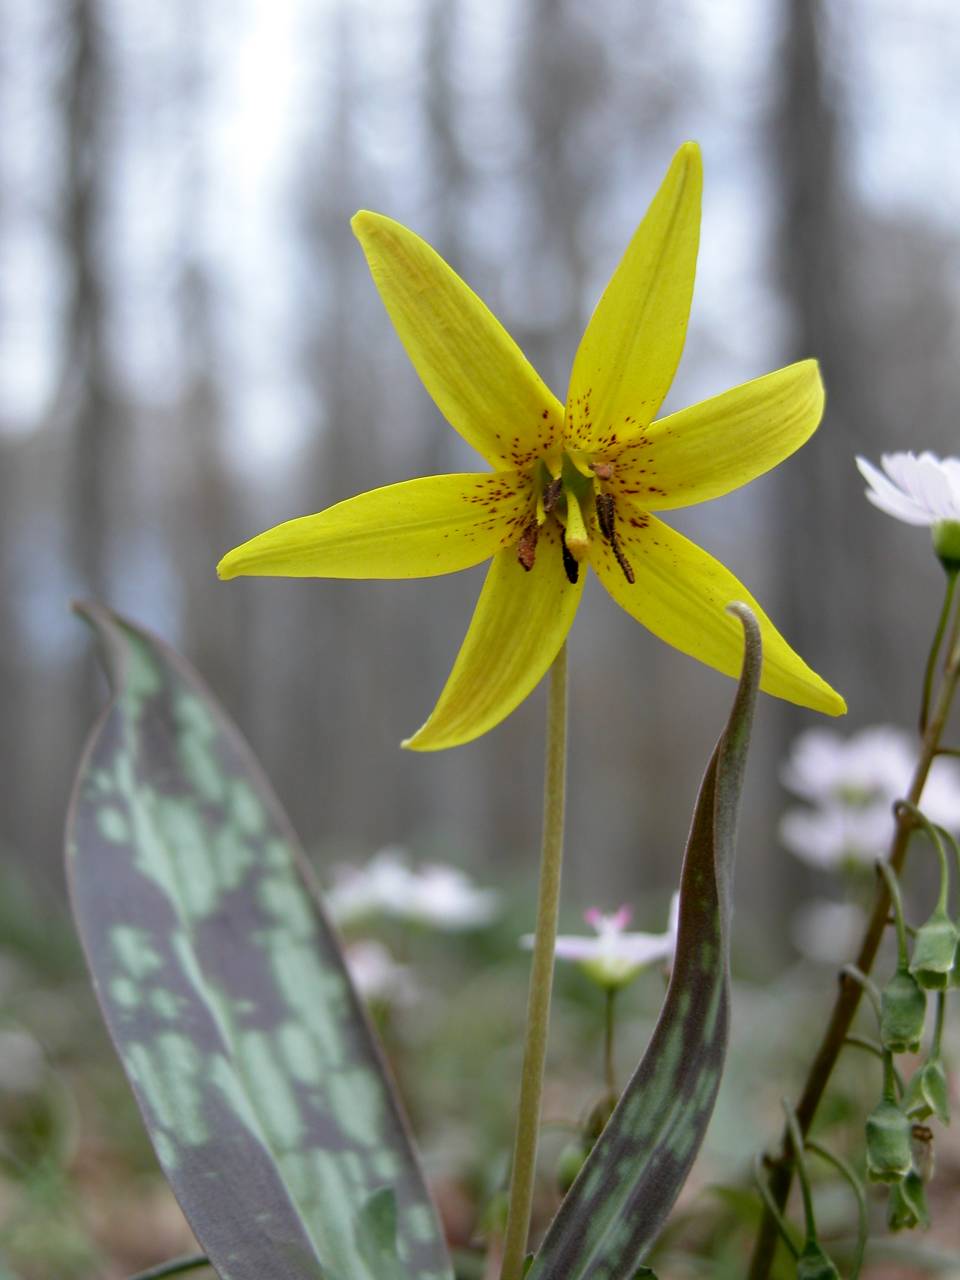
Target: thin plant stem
x=796 y=1142
x=609 y=1070
x=878 y=1051
x=850 y=992
x=523 y=1167
x=935 y=1048
x=893 y=889
x=857 y=1187
x=933 y=833
x=175 y=1267
x=935 y=647
x=772 y=1207
x=869 y=987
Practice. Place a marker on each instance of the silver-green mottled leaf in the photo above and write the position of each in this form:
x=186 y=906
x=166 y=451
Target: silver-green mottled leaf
x=627 y=1186
x=225 y=991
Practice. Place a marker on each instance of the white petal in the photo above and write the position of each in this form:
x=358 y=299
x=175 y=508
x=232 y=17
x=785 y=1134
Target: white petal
x=888 y=497
x=935 y=486
x=951 y=467
x=900 y=507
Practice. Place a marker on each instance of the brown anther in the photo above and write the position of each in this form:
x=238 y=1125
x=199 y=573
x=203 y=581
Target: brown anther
x=602 y=470
x=622 y=561
x=605 y=511
x=605 y=519
x=570 y=563
x=551 y=493
x=527 y=546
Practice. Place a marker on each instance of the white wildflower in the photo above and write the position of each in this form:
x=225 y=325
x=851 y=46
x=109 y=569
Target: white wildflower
x=922 y=490
x=852 y=784
x=614 y=957
x=434 y=894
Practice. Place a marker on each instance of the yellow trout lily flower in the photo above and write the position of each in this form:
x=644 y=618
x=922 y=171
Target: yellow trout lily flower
x=569 y=486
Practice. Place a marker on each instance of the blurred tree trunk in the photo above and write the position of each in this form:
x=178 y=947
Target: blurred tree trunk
x=215 y=633
x=328 y=689
x=213 y=630
x=62 y=697
x=87 y=403
x=12 y=673
x=823 y=552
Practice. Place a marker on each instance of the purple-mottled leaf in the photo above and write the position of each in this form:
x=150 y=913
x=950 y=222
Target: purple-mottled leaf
x=225 y=991
x=622 y=1195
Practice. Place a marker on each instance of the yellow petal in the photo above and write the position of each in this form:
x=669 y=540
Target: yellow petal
x=478 y=377
x=632 y=345
x=416 y=529
x=681 y=594
x=520 y=622
x=722 y=443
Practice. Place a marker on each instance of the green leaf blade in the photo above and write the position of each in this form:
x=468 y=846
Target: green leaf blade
x=628 y=1184
x=225 y=992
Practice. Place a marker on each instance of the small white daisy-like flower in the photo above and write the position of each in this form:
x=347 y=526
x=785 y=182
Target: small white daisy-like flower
x=442 y=897
x=920 y=490
x=837 y=836
x=851 y=784
x=614 y=957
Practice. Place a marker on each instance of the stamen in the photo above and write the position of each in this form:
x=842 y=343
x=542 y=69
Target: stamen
x=605 y=510
x=605 y=519
x=527 y=546
x=602 y=470
x=570 y=564
x=623 y=562
x=551 y=493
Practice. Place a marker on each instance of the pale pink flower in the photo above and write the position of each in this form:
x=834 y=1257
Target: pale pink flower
x=612 y=957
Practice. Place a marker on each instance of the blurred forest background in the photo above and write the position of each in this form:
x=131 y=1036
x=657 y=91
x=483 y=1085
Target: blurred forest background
x=191 y=350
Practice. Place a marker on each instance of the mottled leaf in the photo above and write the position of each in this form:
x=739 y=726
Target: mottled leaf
x=226 y=995
x=627 y=1186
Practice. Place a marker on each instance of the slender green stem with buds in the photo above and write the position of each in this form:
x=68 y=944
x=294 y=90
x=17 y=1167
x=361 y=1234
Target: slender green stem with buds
x=541 y=979
x=934 y=719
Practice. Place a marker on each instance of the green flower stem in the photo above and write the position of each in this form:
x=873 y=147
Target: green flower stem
x=849 y=994
x=951 y=840
x=541 y=979
x=935 y=647
x=889 y=1078
x=796 y=1143
x=857 y=1188
x=869 y=987
x=893 y=889
x=935 y=1048
x=776 y=1217
x=609 y=1070
x=933 y=833
x=175 y=1267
